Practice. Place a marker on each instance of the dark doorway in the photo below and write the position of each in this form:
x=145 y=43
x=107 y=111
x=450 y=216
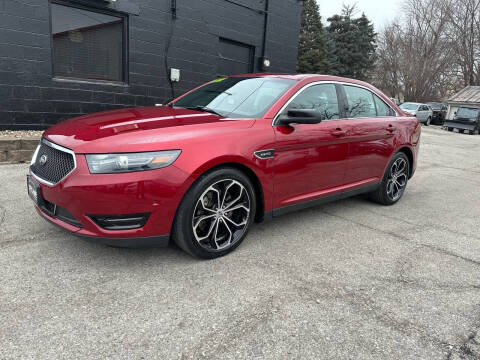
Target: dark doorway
x=235 y=57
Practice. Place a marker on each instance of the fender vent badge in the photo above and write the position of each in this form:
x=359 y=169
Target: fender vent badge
x=265 y=154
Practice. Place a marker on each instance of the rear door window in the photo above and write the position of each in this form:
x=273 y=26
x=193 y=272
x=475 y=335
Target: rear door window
x=360 y=102
x=383 y=110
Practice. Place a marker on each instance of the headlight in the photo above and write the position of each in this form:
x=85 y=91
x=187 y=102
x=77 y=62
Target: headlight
x=129 y=162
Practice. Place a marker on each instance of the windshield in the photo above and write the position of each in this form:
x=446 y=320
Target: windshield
x=435 y=106
x=468 y=113
x=409 y=106
x=237 y=97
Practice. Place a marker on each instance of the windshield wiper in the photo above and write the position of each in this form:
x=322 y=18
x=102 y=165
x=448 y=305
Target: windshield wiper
x=203 y=108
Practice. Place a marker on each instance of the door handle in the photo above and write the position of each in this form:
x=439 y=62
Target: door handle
x=339 y=133
x=391 y=128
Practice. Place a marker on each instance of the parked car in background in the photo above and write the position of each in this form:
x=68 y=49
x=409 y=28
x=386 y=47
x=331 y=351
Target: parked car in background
x=439 y=112
x=423 y=112
x=236 y=150
x=465 y=119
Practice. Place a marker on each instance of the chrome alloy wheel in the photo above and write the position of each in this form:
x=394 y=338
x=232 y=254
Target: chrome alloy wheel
x=397 y=179
x=221 y=215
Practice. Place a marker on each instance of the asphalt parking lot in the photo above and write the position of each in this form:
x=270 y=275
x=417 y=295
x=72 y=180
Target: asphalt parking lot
x=350 y=279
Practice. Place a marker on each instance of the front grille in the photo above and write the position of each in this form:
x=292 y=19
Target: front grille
x=53 y=162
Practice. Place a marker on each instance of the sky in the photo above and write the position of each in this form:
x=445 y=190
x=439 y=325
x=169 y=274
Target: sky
x=378 y=11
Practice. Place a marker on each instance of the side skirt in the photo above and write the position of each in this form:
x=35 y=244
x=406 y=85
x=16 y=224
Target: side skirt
x=323 y=200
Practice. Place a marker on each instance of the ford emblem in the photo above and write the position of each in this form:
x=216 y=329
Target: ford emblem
x=43 y=160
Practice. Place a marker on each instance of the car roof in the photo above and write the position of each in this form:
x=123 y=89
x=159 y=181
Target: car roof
x=300 y=77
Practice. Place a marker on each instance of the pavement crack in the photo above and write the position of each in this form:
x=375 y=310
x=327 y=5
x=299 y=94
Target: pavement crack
x=436 y=165
x=368 y=307
x=416 y=284
x=25 y=241
x=469 y=349
x=359 y=298
x=406 y=239
x=423 y=225
x=220 y=340
x=403 y=264
x=3 y=214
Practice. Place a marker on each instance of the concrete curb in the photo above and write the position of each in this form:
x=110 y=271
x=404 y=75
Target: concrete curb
x=15 y=151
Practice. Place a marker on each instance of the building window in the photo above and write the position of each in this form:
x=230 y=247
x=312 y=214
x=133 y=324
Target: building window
x=87 y=44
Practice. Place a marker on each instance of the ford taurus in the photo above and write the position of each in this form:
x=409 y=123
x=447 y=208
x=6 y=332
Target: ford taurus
x=202 y=169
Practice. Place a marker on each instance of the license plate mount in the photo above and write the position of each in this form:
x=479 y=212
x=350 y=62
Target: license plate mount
x=34 y=192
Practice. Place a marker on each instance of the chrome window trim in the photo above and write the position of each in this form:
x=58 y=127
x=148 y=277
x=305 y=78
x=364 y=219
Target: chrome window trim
x=335 y=83
x=60 y=148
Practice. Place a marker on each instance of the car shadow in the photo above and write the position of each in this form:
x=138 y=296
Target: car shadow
x=74 y=247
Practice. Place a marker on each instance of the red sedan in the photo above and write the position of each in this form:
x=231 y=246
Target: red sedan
x=203 y=168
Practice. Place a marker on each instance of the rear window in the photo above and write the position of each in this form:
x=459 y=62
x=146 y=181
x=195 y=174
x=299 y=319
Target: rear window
x=435 y=106
x=468 y=113
x=409 y=106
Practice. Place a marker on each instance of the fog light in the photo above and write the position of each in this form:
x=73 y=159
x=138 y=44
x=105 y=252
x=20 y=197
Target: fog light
x=120 y=222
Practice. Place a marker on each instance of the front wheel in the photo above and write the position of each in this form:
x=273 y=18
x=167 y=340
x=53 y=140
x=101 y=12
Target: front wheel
x=216 y=214
x=394 y=181
x=429 y=121
x=450 y=129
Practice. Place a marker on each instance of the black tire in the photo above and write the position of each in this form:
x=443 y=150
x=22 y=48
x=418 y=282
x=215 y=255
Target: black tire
x=429 y=121
x=183 y=232
x=471 y=132
x=383 y=195
x=460 y=131
x=450 y=129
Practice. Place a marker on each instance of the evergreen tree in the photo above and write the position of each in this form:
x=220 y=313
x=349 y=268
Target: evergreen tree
x=351 y=45
x=312 y=51
x=367 y=46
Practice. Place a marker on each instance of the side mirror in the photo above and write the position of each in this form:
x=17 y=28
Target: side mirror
x=301 y=116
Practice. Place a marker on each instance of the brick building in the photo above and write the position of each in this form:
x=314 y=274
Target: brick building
x=60 y=59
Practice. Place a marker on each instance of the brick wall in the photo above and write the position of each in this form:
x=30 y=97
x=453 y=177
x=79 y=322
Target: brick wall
x=30 y=98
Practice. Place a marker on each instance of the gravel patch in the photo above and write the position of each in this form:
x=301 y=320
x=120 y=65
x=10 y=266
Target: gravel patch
x=20 y=134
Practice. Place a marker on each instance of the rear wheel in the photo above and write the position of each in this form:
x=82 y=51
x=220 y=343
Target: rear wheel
x=450 y=129
x=215 y=214
x=460 y=131
x=394 y=181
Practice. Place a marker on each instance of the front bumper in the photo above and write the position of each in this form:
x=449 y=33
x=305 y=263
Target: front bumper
x=131 y=242
x=156 y=192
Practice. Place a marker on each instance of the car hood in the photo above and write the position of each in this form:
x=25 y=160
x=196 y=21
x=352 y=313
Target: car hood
x=137 y=129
